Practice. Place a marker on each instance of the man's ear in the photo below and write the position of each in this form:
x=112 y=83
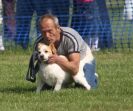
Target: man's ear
x=58 y=27
x=52 y=47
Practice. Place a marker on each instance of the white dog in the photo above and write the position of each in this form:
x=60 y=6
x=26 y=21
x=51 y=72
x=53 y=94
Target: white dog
x=54 y=75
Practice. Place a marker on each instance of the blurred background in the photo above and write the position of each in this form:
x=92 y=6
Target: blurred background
x=103 y=24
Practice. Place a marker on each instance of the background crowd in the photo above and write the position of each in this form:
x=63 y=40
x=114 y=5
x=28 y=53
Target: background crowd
x=89 y=17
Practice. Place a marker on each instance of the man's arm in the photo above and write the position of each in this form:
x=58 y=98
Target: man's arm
x=71 y=66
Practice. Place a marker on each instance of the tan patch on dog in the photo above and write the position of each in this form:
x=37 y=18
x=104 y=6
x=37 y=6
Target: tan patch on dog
x=52 y=47
x=39 y=45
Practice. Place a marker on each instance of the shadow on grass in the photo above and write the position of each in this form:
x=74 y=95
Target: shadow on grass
x=17 y=89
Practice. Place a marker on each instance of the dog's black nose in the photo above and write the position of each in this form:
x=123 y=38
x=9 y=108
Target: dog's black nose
x=41 y=56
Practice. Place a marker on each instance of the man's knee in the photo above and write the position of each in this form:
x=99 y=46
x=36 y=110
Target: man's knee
x=90 y=74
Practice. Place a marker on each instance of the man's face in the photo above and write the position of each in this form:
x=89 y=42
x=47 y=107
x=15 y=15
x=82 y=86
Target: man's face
x=50 y=31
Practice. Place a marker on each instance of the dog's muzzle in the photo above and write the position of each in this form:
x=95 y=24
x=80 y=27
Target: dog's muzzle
x=41 y=59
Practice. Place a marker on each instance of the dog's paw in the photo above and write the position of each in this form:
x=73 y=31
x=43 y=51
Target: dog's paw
x=38 y=91
x=82 y=81
x=88 y=87
x=56 y=90
x=57 y=87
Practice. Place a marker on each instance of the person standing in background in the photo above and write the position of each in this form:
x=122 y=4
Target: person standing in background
x=85 y=21
x=128 y=10
x=91 y=20
x=1 y=19
x=25 y=10
x=105 y=36
x=9 y=19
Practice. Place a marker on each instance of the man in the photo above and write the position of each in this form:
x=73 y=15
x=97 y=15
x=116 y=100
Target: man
x=69 y=43
x=9 y=19
x=128 y=10
x=1 y=19
x=105 y=39
x=85 y=21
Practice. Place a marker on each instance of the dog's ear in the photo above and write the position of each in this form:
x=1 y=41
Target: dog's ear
x=39 y=45
x=52 y=47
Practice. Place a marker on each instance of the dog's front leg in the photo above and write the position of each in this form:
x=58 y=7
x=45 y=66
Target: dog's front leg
x=58 y=85
x=40 y=84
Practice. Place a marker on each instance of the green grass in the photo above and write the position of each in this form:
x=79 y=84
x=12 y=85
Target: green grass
x=115 y=91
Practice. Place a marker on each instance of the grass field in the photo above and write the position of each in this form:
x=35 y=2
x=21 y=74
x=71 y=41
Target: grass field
x=115 y=91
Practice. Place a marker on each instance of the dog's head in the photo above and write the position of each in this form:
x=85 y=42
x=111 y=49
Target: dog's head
x=45 y=51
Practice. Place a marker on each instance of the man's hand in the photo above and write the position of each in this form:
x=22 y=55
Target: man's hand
x=70 y=65
x=54 y=59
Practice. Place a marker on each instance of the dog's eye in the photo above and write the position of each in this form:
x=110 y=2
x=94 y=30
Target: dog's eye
x=46 y=51
x=39 y=52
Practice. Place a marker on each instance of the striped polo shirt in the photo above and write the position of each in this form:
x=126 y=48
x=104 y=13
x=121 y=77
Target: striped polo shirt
x=71 y=42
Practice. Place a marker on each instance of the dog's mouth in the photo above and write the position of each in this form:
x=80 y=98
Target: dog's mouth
x=42 y=59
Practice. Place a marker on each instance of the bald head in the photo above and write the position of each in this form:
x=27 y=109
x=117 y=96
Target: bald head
x=50 y=18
